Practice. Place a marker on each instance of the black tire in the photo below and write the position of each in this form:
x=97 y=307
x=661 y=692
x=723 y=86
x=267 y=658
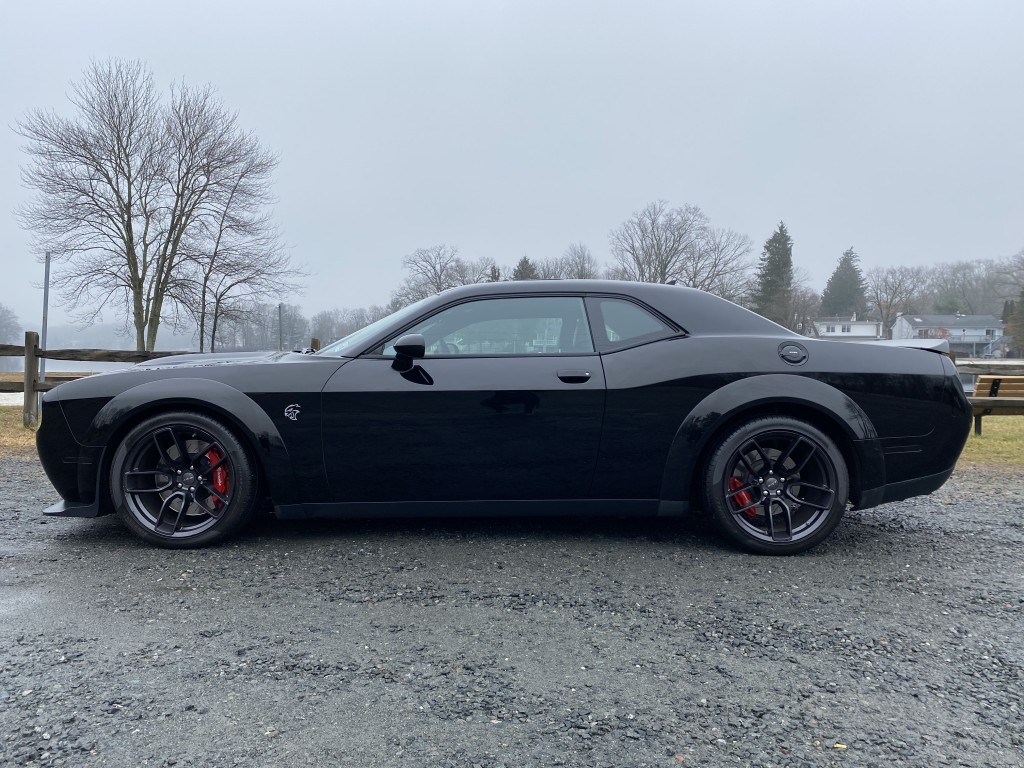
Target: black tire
x=776 y=486
x=183 y=480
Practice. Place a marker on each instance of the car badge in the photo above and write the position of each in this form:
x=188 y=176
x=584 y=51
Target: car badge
x=292 y=411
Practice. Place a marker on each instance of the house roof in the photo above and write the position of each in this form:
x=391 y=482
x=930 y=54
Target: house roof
x=953 y=321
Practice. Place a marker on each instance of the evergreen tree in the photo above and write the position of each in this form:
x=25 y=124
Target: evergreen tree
x=1015 y=327
x=1009 y=307
x=844 y=294
x=525 y=270
x=773 y=292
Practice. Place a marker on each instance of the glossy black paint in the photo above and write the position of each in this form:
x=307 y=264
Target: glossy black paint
x=352 y=435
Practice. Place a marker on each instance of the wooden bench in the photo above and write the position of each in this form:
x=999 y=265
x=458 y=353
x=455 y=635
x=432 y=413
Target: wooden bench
x=997 y=396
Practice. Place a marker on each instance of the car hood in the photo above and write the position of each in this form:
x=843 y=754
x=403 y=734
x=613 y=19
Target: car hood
x=218 y=358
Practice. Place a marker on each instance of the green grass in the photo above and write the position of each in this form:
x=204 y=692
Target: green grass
x=1001 y=442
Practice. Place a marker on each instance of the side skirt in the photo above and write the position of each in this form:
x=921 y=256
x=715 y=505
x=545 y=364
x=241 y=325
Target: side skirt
x=492 y=508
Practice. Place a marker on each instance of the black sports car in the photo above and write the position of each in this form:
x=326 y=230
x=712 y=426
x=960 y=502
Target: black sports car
x=548 y=397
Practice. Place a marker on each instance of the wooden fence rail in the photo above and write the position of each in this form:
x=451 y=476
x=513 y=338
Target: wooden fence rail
x=31 y=385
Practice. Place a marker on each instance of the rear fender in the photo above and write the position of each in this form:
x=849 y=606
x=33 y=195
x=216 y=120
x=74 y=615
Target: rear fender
x=235 y=408
x=760 y=394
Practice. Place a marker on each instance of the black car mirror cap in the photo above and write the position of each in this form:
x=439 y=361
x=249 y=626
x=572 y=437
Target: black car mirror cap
x=410 y=347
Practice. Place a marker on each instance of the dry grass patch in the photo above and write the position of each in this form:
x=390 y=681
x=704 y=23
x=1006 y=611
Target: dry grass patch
x=15 y=440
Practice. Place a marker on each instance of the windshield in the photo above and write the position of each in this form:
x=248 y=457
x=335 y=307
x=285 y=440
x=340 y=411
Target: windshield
x=351 y=345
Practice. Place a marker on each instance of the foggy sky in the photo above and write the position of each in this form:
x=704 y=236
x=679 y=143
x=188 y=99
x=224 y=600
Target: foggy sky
x=515 y=128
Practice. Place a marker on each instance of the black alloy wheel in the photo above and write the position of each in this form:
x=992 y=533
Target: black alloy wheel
x=777 y=485
x=183 y=480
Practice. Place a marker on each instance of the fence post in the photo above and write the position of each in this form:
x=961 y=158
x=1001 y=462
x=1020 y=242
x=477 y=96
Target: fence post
x=31 y=411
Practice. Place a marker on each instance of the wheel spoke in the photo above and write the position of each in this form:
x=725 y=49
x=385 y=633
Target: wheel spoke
x=800 y=467
x=162 y=450
x=182 y=449
x=816 y=505
x=787 y=513
x=780 y=463
x=164 y=524
x=148 y=473
x=768 y=522
x=225 y=500
x=221 y=461
x=742 y=489
x=766 y=463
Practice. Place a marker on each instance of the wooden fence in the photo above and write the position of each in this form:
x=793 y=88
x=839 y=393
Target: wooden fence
x=31 y=385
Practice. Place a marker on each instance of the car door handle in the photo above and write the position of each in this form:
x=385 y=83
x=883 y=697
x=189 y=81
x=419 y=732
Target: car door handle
x=574 y=377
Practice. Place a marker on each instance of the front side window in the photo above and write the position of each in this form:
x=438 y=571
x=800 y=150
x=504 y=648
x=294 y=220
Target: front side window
x=535 y=325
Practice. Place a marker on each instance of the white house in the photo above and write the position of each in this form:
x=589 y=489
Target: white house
x=847 y=329
x=971 y=335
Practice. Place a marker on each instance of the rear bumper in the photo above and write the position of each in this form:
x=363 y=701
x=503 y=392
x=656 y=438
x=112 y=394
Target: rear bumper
x=906 y=489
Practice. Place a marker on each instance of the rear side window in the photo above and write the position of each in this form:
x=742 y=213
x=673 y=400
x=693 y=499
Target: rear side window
x=618 y=323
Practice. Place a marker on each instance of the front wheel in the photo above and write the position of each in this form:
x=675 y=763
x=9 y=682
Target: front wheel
x=183 y=480
x=776 y=485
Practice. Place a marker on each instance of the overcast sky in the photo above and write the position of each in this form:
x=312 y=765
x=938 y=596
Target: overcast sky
x=515 y=128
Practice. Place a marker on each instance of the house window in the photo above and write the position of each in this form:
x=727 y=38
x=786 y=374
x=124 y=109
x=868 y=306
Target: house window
x=830 y=329
x=846 y=329
x=990 y=332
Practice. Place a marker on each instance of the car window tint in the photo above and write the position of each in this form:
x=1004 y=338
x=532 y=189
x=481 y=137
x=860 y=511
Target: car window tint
x=623 y=323
x=509 y=326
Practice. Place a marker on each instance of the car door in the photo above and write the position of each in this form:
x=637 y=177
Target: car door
x=507 y=403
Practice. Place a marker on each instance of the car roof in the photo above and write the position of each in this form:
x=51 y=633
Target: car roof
x=694 y=310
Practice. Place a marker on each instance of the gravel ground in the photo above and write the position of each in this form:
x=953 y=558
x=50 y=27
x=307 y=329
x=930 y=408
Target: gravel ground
x=516 y=642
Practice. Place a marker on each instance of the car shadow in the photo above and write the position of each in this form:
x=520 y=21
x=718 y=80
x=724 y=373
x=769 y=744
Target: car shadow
x=692 y=530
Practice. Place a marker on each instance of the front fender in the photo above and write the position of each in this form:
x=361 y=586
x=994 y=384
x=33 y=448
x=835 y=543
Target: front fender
x=235 y=408
x=823 y=404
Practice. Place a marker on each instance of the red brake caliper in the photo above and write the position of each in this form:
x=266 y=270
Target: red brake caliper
x=220 y=476
x=743 y=498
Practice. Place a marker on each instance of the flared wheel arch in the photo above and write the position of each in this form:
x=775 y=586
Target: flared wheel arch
x=798 y=397
x=220 y=402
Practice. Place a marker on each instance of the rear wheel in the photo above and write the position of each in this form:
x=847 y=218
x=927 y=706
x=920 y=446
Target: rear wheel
x=776 y=485
x=183 y=480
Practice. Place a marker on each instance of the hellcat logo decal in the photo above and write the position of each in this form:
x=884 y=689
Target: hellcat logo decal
x=292 y=411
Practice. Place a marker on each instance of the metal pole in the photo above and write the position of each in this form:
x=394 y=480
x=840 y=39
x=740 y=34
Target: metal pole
x=280 y=328
x=46 y=308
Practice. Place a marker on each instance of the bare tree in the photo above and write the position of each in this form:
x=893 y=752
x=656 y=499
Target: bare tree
x=718 y=262
x=233 y=258
x=1009 y=275
x=661 y=244
x=652 y=245
x=549 y=269
x=805 y=306
x=123 y=185
x=579 y=263
x=435 y=269
x=893 y=291
x=970 y=287
x=10 y=327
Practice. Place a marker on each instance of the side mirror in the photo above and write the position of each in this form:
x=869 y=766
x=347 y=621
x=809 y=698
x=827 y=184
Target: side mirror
x=410 y=347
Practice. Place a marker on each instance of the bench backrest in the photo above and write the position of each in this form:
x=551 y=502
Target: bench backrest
x=999 y=386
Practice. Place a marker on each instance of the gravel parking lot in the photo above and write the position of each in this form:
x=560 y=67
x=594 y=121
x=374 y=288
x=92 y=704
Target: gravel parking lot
x=516 y=642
